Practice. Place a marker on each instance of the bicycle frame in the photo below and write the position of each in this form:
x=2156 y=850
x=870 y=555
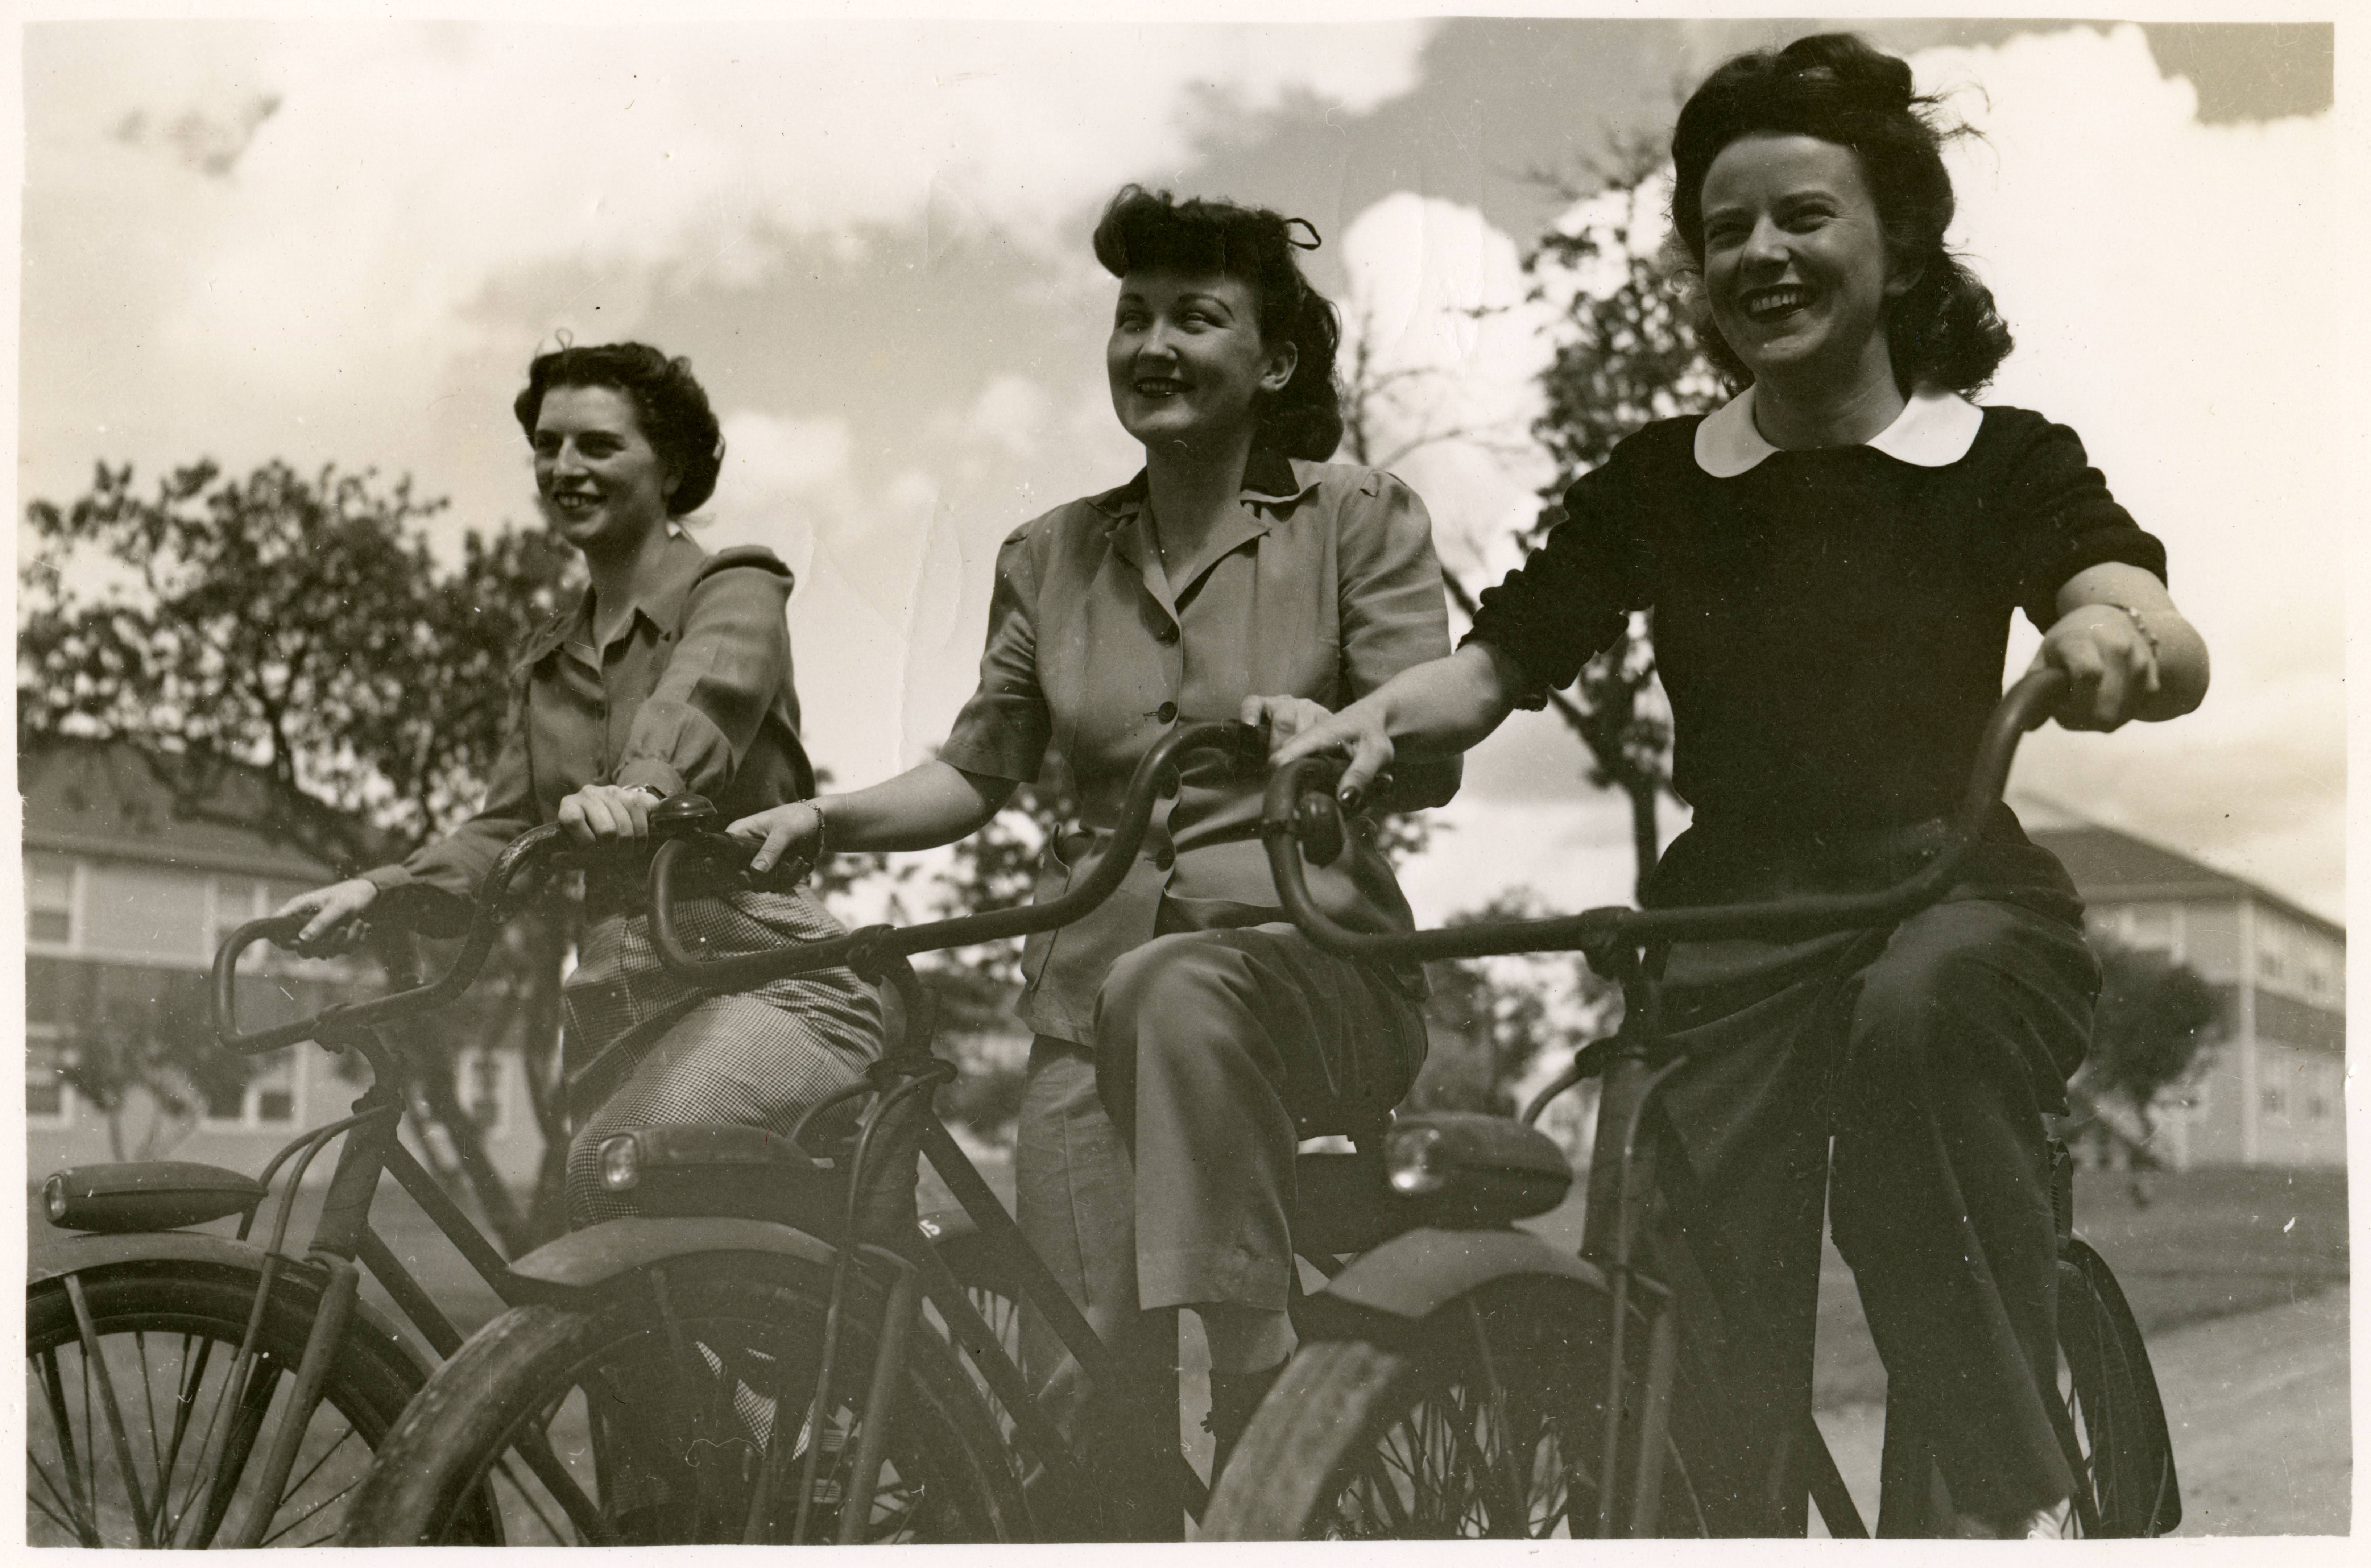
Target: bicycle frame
x=1628 y=946
x=900 y=1082
x=343 y=1242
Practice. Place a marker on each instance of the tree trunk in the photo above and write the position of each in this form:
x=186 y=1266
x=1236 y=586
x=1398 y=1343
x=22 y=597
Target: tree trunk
x=1646 y=835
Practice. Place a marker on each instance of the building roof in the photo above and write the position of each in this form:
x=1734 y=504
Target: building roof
x=107 y=799
x=2112 y=867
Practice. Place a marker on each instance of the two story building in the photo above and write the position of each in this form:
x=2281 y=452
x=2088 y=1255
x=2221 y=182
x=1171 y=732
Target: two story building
x=125 y=902
x=2273 y=1091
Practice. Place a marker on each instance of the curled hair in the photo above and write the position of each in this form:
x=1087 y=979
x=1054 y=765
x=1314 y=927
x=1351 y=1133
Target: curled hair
x=1944 y=329
x=668 y=400
x=1151 y=228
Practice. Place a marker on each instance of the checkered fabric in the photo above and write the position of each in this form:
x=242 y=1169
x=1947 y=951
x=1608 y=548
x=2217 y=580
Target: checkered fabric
x=758 y=1057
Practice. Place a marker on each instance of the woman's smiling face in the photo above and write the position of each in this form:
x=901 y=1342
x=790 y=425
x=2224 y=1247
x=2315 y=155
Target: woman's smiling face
x=1187 y=360
x=602 y=484
x=1795 y=266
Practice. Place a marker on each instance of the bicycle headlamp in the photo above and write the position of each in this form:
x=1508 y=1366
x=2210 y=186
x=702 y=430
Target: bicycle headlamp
x=622 y=1162
x=54 y=1199
x=1465 y=1168
x=1415 y=1161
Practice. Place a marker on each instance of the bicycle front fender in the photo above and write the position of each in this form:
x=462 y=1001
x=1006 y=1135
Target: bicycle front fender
x=1419 y=1272
x=54 y=1255
x=587 y=1259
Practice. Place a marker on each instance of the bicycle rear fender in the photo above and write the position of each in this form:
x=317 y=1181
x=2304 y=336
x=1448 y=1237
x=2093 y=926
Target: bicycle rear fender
x=55 y=1255
x=1418 y=1272
x=583 y=1260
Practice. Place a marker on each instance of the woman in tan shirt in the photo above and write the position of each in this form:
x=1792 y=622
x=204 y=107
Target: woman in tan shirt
x=671 y=670
x=1237 y=563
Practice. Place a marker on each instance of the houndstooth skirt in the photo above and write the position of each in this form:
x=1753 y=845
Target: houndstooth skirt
x=760 y=1058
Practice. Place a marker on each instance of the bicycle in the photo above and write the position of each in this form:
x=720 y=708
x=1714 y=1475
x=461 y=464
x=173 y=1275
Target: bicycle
x=1469 y=1378
x=249 y=1359
x=771 y=1289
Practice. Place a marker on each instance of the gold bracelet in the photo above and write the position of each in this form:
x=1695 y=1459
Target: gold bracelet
x=2155 y=652
x=823 y=832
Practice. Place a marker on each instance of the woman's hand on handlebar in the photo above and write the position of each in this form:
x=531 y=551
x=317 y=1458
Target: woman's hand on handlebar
x=335 y=923
x=602 y=812
x=794 y=830
x=1298 y=728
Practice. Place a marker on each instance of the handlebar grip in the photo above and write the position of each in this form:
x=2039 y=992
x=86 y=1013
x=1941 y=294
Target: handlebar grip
x=476 y=942
x=270 y=928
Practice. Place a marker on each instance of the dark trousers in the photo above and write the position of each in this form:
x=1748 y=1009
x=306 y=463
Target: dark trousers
x=1900 y=1081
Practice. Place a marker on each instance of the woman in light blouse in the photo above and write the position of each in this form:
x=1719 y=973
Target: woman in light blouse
x=1237 y=563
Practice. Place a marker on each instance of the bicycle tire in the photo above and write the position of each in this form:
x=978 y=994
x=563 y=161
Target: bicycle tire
x=2116 y=1414
x=1383 y=1435
x=183 y=1323
x=738 y=1333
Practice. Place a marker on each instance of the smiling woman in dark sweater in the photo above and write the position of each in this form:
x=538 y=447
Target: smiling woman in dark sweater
x=1831 y=562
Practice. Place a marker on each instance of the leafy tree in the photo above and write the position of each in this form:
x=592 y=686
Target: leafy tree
x=2158 y=1023
x=1627 y=357
x=295 y=628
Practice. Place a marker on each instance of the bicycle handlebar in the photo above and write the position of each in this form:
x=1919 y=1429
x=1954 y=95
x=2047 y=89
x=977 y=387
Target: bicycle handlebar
x=1155 y=778
x=1300 y=806
x=485 y=923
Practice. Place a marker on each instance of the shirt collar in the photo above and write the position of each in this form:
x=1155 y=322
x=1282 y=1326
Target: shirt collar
x=658 y=598
x=1269 y=477
x=1934 y=430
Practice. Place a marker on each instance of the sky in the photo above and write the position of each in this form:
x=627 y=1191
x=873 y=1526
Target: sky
x=341 y=242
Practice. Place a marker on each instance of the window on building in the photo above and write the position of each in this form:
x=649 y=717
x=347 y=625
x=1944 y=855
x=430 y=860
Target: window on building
x=49 y=900
x=2275 y=1103
x=478 y=1083
x=2154 y=927
x=2316 y=1108
x=267 y=1100
x=48 y=1101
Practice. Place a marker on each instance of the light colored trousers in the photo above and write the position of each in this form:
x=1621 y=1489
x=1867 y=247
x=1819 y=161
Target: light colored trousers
x=1155 y=1168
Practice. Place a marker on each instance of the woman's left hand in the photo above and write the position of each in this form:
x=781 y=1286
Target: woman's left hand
x=600 y=811
x=2112 y=669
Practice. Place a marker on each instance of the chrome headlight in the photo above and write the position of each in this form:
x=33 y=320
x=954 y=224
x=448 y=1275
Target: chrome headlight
x=1415 y=1159
x=622 y=1162
x=54 y=1199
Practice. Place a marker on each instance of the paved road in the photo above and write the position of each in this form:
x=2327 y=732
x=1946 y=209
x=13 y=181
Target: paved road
x=2263 y=1432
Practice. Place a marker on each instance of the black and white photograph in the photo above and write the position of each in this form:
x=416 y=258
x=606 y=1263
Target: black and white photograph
x=1194 y=773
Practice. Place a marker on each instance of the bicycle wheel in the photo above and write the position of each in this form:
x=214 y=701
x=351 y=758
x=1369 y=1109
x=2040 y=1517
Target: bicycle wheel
x=661 y=1399
x=138 y=1432
x=2126 y=1476
x=1488 y=1422
x=993 y=1294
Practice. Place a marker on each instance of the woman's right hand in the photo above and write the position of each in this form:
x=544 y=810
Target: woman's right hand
x=795 y=829
x=336 y=911
x=1298 y=728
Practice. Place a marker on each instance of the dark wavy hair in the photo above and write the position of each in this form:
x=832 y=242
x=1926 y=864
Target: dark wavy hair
x=1151 y=228
x=1945 y=329
x=669 y=400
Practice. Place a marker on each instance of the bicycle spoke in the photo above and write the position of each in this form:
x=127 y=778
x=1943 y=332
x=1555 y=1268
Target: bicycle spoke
x=306 y=1515
x=185 y=1395
x=200 y=1476
x=503 y=1468
x=299 y=1484
x=122 y=1442
x=85 y=1527
x=57 y=1492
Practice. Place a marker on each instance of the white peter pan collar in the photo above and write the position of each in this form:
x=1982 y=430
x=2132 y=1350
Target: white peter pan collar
x=1934 y=429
